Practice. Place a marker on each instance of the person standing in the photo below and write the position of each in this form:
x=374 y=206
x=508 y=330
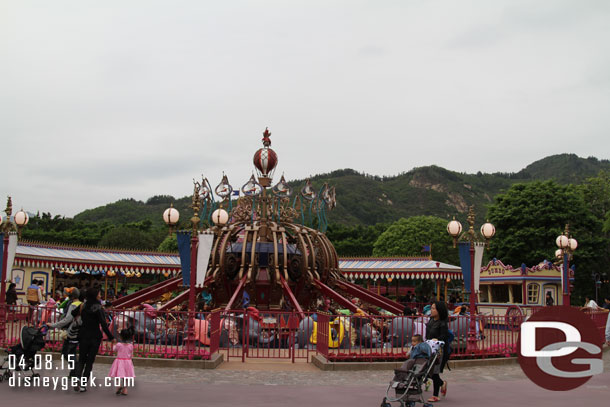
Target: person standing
x=549 y=300
x=92 y=316
x=68 y=348
x=33 y=297
x=11 y=298
x=11 y=294
x=42 y=297
x=122 y=367
x=589 y=303
x=437 y=328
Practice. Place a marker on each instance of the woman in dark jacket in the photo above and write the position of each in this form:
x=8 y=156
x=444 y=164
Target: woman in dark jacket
x=90 y=336
x=437 y=328
x=11 y=294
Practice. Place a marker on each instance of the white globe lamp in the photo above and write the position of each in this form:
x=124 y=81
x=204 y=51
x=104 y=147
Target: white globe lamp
x=21 y=218
x=488 y=230
x=572 y=244
x=220 y=217
x=562 y=241
x=171 y=216
x=454 y=228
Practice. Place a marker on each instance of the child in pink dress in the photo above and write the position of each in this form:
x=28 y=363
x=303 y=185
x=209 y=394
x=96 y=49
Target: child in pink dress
x=122 y=365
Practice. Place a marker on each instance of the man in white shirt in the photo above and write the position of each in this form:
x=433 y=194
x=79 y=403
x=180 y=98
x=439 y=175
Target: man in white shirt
x=589 y=303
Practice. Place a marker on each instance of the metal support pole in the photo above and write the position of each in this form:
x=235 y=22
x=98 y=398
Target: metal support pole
x=566 y=279
x=472 y=330
x=53 y=284
x=190 y=337
x=438 y=290
x=3 y=274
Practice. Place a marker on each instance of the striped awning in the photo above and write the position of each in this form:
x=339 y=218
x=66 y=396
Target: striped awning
x=398 y=268
x=94 y=261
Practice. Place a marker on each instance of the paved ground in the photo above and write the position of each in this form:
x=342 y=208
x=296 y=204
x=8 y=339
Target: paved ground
x=284 y=384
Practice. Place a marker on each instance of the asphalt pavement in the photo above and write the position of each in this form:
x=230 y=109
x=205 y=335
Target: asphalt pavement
x=269 y=384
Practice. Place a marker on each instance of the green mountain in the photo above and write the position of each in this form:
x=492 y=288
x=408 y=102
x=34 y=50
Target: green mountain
x=564 y=168
x=364 y=199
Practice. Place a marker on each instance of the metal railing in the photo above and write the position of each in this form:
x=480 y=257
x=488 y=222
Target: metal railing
x=157 y=334
x=243 y=334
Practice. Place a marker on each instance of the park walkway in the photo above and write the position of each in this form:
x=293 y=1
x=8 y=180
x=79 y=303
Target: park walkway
x=285 y=384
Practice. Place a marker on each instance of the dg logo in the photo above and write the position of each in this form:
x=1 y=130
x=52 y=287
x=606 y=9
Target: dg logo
x=560 y=348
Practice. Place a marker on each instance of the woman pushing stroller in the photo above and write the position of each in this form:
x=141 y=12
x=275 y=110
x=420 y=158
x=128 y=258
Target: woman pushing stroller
x=437 y=328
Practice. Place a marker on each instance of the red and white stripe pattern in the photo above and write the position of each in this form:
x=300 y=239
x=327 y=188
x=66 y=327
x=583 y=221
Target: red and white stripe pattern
x=265 y=161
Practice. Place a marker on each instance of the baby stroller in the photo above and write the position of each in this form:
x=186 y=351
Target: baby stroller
x=407 y=384
x=31 y=341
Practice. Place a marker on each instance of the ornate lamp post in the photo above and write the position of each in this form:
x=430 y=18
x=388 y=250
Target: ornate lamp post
x=598 y=278
x=567 y=245
x=8 y=228
x=171 y=216
x=454 y=228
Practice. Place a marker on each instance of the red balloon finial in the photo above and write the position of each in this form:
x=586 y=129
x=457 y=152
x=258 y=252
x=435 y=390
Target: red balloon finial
x=265 y=158
x=266 y=139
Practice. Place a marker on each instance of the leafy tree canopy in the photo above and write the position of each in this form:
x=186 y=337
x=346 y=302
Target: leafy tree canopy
x=528 y=219
x=406 y=237
x=169 y=244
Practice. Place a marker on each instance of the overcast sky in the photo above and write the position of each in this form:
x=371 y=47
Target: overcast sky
x=103 y=100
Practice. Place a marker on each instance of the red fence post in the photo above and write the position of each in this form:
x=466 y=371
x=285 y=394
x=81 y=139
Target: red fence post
x=245 y=336
x=322 y=334
x=214 y=331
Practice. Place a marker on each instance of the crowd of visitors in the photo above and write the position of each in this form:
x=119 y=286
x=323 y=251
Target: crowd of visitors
x=82 y=322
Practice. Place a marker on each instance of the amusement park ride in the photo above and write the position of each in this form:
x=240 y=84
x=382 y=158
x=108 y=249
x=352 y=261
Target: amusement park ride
x=270 y=244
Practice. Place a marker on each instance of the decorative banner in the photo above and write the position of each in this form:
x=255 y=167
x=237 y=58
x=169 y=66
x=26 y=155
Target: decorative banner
x=203 y=256
x=464 y=250
x=12 y=250
x=184 y=249
x=479 y=249
x=1 y=254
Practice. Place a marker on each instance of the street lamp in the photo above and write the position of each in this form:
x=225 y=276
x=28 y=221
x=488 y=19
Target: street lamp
x=199 y=200
x=8 y=228
x=454 y=228
x=598 y=278
x=171 y=217
x=567 y=245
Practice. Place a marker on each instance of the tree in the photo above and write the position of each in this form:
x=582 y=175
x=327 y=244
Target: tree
x=134 y=236
x=529 y=217
x=354 y=241
x=406 y=237
x=169 y=244
x=596 y=193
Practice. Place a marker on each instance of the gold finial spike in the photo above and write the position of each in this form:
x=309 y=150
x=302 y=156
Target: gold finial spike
x=471 y=232
x=9 y=208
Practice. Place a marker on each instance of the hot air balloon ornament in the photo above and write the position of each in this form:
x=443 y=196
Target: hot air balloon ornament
x=265 y=160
